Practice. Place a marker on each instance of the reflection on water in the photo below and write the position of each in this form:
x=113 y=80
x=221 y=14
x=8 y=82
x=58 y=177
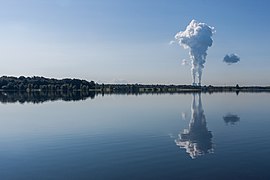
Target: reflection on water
x=126 y=137
x=40 y=96
x=197 y=140
x=231 y=119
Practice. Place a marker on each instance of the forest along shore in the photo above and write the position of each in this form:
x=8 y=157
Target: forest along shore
x=67 y=85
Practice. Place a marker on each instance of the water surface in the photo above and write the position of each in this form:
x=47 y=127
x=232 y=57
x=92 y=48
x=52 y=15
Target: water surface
x=180 y=136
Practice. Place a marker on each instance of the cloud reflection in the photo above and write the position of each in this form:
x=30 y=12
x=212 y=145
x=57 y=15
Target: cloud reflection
x=231 y=119
x=197 y=140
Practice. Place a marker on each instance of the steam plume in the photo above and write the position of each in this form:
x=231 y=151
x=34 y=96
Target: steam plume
x=185 y=62
x=197 y=38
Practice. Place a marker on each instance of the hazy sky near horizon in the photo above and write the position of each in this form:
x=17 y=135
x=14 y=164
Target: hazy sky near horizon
x=128 y=41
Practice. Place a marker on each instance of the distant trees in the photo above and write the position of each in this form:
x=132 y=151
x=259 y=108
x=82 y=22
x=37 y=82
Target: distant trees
x=44 y=84
x=67 y=85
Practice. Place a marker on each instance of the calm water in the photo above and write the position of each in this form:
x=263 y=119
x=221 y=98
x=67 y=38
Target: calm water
x=183 y=136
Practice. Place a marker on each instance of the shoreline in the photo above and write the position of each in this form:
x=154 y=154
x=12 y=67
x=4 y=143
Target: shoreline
x=43 y=84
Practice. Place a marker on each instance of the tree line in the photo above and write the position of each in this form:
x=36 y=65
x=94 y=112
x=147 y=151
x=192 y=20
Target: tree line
x=36 y=83
x=44 y=84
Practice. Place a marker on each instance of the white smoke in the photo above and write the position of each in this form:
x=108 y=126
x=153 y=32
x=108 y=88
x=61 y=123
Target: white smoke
x=184 y=62
x=171 y=42
x=231 y=59
x=197 y=38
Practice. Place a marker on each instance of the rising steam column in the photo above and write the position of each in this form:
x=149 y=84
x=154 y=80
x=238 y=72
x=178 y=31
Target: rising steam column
x=197 y=38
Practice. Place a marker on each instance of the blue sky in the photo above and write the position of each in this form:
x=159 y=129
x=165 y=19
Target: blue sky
x=128 y=41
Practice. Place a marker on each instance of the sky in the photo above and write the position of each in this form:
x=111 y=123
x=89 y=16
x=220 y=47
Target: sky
x=127 y=41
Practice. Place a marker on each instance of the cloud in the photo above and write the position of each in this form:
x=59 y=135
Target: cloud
x=231 y=59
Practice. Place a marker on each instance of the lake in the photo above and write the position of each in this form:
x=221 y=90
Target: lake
x=159 y=136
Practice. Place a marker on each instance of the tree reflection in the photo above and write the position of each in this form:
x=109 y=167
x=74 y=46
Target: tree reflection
x=197 y=140
x=40 y=96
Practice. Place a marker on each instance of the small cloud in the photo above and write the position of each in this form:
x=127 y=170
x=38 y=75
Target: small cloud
x=185 y=62
x=171 y=42
x=231 y=59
